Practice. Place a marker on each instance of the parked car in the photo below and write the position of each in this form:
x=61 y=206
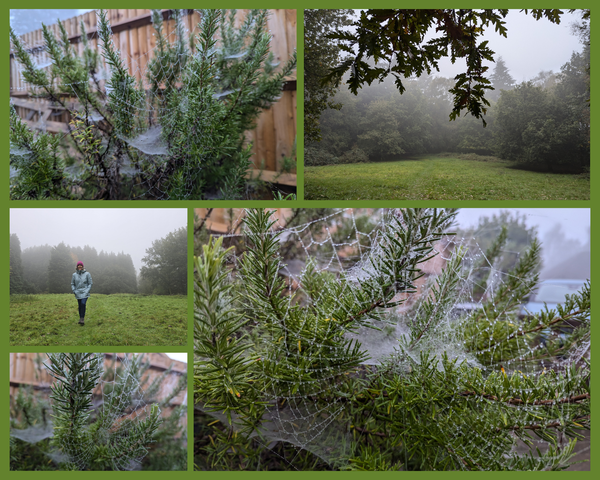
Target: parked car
x=551 y=293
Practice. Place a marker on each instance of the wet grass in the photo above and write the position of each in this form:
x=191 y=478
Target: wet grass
x=117 y=320
x=440 y=178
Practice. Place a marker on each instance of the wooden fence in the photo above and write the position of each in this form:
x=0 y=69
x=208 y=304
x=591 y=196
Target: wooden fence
x=219 y=221
x=275 y=132
x=26 y=371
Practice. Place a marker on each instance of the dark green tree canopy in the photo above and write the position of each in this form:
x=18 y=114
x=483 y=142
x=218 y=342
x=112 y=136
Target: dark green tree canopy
x=17 y=282
x=48 y=269
x=60 y=269
x=501 y=79
x=395 y=40
x=165 y=271
x=320 y=54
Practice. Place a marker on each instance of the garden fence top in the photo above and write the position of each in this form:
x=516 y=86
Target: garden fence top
x=24 y=371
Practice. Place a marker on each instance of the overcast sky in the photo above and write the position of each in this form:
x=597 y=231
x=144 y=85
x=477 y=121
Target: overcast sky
x=182 y=357
x=128 y=230
x=575 y=222
x=530 y=46
x=23 y=21
x=563 y=232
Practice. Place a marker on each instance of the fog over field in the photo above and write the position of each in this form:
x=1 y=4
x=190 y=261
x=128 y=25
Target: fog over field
x=128 y=230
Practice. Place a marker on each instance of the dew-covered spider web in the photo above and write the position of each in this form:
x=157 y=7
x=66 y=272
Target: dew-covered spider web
x=150 y=160
x=476 y=315
x=121 y=405
x=122 y=401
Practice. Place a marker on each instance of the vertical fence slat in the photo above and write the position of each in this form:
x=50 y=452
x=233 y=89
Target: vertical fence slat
x=124 y=36
x=290 y=23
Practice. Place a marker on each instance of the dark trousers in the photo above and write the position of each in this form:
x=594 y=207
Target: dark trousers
x=81 y=303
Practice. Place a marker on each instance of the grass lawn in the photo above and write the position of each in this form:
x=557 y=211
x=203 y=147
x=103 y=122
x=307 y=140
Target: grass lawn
x=110 y=320
x=439 y=178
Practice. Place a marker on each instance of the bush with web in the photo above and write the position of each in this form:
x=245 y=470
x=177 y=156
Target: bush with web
x=100 y=418
x=176 y=134
x=356 y=363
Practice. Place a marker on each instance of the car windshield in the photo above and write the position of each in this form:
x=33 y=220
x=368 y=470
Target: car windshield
x=555 y=293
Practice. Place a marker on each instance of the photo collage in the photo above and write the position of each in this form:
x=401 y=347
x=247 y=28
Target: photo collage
x=367 y=230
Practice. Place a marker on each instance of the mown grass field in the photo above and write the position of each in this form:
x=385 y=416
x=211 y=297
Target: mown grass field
x=110 y=320
x=439 y=178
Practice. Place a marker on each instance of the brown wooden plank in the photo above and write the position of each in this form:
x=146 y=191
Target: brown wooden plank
x=89 y=20
x=290 y=26
x=257 y=137
x=269 y=139
x=294 y=110
x=271 y=176
x=279 y=131
x=134 y=49
x=51 y=126
x=116 y=37
x=13 y=75
x=124 y=36
x=70 y=27
x=279 y=41
x=151 y=46
x=139 y=42
x=79 y=43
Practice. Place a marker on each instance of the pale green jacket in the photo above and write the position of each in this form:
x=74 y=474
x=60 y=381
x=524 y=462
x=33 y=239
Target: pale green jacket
x=81 y=284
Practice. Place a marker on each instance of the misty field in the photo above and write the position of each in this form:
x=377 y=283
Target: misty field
x=118 y=320
x=440 y=178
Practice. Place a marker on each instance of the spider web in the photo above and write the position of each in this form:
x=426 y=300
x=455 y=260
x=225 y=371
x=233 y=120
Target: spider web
x=348 y=243
x=145 y=170
x=120 y=405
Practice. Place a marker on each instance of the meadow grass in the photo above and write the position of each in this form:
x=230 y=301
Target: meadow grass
x=439 y=178
x=118 y=320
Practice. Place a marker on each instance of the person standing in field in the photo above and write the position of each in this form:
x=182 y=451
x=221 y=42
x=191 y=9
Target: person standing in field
x=81 y=284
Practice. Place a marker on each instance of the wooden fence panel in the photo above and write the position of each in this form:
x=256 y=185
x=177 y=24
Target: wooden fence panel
x=275 y=134
x=224 y=220
x=24 y=371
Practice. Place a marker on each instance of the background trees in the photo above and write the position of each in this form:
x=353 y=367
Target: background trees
x=542 y=125
x=548 y=128
x=17 y=282
x=47 y=269
x=60 y=269
x=165 y=272
x=501 y=79
x=395 y=41
x=320 y=54
x=35 y=267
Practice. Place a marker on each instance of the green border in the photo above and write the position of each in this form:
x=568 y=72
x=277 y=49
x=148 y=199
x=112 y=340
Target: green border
x=299 y=5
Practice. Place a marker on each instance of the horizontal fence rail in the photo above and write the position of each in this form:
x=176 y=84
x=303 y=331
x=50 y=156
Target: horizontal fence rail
x=26 y=372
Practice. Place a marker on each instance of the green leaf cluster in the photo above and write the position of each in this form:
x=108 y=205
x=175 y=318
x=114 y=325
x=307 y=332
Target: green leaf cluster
x=395 y=40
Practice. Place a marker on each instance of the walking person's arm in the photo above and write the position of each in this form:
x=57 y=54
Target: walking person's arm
x=89 y=284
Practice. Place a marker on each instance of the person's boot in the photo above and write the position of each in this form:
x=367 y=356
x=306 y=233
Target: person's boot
x=81 y=322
